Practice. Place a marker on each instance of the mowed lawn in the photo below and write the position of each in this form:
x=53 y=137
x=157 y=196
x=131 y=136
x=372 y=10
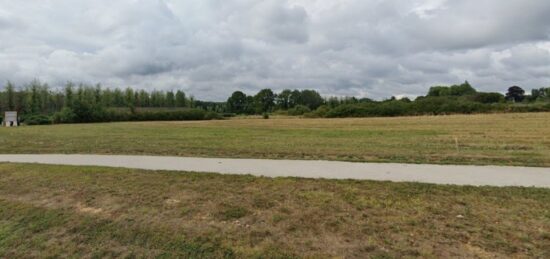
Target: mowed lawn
x=94 y=212
x=501 y=139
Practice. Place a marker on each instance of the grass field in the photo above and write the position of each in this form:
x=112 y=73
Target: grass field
x=501 y=139
x=63 y=211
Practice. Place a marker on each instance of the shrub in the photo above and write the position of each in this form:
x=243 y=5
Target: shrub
x=488 y=97
x=37 y=119
x=321 y=112
x=89 y=114
x=266 y=115
x=66 y=115
x=212 y=116
x=298 y=110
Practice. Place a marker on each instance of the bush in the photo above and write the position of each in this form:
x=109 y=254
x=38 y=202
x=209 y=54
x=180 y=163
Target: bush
x=36 y=119
x=212 y=116
x=265 y=115
x=298 y=110
x=90 y=114
x=66 y=115
x=321 y=112
x=488 y=97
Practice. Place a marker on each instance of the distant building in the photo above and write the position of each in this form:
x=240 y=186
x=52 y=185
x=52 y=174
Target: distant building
x=10 y=119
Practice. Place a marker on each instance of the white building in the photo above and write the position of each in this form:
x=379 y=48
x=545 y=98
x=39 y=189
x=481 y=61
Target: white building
x=10 y=119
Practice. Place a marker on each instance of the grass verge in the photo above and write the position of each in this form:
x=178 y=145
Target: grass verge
x=104 y=212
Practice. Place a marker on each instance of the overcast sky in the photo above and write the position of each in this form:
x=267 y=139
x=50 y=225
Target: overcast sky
x=210 y=48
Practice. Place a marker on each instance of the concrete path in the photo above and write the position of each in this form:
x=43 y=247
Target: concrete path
x=438 y=174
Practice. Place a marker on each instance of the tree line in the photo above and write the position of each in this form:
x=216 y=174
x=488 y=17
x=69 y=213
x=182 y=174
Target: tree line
x=37 y=97
x=91 y=103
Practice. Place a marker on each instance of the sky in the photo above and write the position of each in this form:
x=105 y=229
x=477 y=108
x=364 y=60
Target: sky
x=210 y=48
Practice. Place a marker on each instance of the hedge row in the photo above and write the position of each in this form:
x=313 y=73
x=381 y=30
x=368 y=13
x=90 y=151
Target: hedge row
x=426 y=106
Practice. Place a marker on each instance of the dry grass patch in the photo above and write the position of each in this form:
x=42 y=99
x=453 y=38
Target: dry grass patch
x=103 y=212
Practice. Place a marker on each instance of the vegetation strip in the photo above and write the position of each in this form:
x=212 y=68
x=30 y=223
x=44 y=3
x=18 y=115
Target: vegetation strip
x=488 y=139
x=37 y=104
x=60 y=211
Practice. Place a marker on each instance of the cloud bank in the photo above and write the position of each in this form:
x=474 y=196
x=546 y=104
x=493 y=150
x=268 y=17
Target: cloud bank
x=210 y=48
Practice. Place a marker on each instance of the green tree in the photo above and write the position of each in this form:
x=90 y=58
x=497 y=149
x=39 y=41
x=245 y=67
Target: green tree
x=144 y=98
x=312 y=99
x=129 y=97
x=98 y=93
x=34 y=97
x=237 y=102
x=283 y=99
x=69 y=94
x=264 y=100
x=170 y=99
x=180 y=99
x=294 y=99
x=10 y=96
x=118 y=98
x=515 y=94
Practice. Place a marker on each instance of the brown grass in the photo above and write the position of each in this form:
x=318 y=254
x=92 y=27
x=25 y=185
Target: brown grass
x=501 y=139
x=62 y=211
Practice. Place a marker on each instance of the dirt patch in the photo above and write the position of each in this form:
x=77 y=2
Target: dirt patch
x=84 y=209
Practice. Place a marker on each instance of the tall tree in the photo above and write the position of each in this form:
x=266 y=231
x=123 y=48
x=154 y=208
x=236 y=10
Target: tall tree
x=69 y=94
x=34 y=97
x=170 y=99
x=144 y=98
x=180 y=99
x=264 y=100
x=129 y=97
x=237 y=102
x=311 y=98
x=10 y=96
x=118 y=98
x=515 y=94
x=295 y=98
x=283 y=99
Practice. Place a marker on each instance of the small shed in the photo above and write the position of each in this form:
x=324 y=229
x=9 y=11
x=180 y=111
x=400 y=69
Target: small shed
x=10 y=119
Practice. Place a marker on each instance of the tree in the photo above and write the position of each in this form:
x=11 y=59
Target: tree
x=311 y=98
x=129 y=97
x=10 y=96
x=180 y=99
x=170 y=99
x=236 y=103
x=463 y=89
x=118 y=98
x=264 y=101
x=34 y=98
x=438 y=91
x=144 y=99
x=107 y=99
x=454 y=90
x=97 y=93
x=294 y=99
x=540 y=94
x=515 y=94
x=488 y=97
x=283 y=99
x=69 y=94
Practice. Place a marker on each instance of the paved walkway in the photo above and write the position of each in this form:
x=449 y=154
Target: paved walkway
x=438 y=174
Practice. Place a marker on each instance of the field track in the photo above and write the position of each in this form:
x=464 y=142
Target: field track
x=437 y=174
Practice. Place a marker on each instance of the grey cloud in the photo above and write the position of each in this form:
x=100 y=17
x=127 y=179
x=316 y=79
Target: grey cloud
x=213 y=47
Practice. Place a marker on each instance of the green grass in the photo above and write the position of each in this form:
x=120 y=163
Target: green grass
x=95 y=212
x=500 y=139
